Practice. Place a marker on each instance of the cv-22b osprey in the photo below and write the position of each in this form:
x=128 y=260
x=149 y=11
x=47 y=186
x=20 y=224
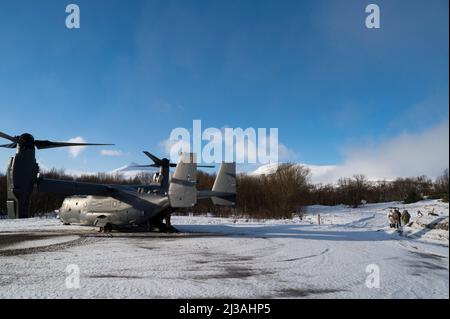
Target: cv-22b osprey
x=108 y=206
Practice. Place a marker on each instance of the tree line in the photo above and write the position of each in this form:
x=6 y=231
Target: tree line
x=278 y=195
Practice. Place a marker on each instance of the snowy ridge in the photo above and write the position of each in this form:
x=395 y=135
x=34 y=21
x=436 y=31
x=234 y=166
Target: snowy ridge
x=319 y=173
x=131 y=171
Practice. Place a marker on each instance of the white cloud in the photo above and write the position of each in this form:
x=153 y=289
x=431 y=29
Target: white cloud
x=409 y=154
x=285 y=153
x=74 y=151
x=111 y=152
x=406 y=155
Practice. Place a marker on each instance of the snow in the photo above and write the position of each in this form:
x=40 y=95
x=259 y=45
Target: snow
x=234 y=257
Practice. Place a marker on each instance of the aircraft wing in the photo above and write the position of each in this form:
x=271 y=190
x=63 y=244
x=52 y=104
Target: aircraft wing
x=72 y=188
x=79 y=188
x=132 y=198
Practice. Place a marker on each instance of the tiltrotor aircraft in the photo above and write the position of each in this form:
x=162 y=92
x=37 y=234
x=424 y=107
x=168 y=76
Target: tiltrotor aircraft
x=108 y=206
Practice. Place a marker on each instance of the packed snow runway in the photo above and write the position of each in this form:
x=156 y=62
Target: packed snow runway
x=234 y=258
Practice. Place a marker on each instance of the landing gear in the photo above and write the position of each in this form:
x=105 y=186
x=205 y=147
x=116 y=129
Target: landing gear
x=106 y=229
x=167 y=220
x=157 y=224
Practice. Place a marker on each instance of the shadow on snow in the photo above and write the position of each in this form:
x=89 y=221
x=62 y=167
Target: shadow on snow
x=289 y=231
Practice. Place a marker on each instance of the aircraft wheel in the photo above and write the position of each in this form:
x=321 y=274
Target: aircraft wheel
x=108 y=228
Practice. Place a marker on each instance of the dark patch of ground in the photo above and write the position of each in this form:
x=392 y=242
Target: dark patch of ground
x=234 y=272
x=425 y=265
x=301 y=293
x=428 y=255
x=310 y=256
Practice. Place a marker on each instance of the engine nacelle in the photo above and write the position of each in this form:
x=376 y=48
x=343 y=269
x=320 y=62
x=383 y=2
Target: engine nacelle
x=22 y=173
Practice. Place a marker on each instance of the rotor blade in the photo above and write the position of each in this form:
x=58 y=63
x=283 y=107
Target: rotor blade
x=9 y=137
x=12 y=145
x=138 y=166
x=207 y=166
x=153 y=158
x=49 y=144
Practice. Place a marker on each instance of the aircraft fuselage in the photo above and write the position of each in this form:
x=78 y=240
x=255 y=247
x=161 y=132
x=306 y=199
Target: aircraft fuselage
x=89 y=210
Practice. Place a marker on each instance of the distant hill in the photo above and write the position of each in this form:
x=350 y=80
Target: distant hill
x=130 y=171
x=319 y=173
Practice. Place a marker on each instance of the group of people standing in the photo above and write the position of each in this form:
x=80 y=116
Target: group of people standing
x=396 y=218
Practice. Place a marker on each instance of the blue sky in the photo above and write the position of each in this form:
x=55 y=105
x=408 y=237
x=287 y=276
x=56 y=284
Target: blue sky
x=137 y=69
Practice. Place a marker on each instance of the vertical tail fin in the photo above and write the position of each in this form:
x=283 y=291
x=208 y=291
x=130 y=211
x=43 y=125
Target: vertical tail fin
x=225 y=183
x=182 y=188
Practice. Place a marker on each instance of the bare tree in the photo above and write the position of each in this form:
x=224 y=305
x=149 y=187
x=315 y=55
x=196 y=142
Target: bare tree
x=441 y=186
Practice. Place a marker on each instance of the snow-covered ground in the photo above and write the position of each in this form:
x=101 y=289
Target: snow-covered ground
x=234 y=258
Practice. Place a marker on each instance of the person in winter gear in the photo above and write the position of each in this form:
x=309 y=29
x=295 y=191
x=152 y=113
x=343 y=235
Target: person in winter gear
x=399 y=218
x=405 y=217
